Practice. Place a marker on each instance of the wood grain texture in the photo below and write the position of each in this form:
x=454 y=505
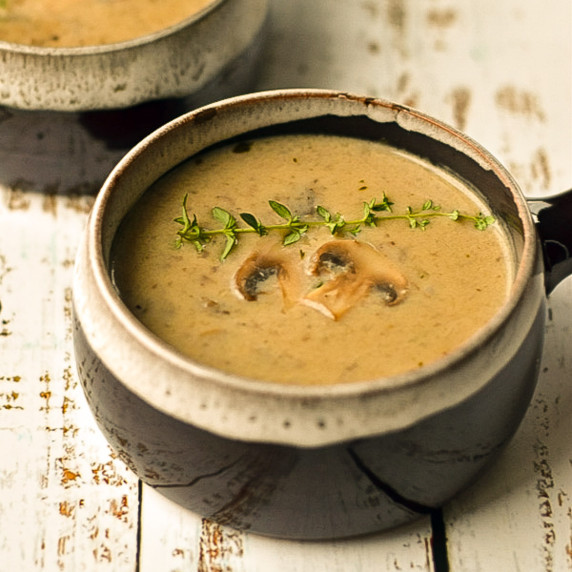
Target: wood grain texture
x=501 y=70
x=175 y=540
x=66 y=503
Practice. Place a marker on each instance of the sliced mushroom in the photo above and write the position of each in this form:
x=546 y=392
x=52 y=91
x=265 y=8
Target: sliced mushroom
x=261 y=265
x=353 y=268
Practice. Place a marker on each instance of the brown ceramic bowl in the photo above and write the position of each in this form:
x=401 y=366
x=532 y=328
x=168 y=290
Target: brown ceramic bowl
x=308 y=461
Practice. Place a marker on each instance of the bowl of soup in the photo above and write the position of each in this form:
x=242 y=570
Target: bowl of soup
x=309 y=314
x=101 y=54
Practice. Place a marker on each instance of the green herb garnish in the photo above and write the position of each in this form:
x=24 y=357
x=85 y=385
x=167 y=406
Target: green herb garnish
x=294 y=227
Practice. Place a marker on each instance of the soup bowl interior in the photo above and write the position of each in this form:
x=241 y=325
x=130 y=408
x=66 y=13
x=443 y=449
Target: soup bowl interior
x=415 y=438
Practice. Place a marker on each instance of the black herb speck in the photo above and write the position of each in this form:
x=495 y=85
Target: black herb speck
x=242 y=147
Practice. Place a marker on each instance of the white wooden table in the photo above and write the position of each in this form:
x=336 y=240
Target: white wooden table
x=499 y=69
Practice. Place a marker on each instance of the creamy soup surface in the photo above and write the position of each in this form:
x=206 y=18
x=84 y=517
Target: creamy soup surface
x=74 y=23
x=332 y=309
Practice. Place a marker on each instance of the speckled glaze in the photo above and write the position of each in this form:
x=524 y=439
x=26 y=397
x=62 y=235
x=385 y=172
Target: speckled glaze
x=306 y=462
x=176 y=62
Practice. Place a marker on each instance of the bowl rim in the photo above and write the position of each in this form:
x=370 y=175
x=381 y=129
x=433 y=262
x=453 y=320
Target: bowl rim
x=109 y=48
x=304 y=397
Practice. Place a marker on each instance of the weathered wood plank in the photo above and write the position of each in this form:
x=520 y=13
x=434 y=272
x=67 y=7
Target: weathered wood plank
x=66 y=503
x=174 y=539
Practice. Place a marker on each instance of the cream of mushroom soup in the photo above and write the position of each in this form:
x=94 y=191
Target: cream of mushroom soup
x=328 y=308
x=75 y=23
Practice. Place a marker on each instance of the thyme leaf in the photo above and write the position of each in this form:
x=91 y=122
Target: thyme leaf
x=281 y=210
x=253 y=222
x=224 y=217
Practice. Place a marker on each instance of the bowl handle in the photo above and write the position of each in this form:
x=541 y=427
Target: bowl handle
x=553 y=217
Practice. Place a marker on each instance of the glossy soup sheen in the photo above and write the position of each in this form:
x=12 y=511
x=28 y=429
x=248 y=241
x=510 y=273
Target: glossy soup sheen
x=318 y=322
x=74 y=23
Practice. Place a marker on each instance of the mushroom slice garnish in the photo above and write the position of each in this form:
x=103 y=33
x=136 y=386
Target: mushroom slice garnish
x=353 y=268
x=261 y=265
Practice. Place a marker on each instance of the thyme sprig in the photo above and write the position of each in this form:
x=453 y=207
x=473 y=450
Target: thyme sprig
x=294 y=227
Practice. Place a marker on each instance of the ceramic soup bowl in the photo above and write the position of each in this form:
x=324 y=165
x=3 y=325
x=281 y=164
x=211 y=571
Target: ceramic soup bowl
x=202 y=53
x=311 y=461
x=75 y=111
